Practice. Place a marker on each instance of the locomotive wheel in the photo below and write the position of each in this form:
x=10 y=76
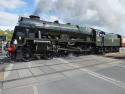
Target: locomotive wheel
x=26 y=55
x=49 y=55
x=76 y=54
x=65 y=54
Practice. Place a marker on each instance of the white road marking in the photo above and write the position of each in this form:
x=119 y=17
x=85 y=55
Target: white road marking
x=35 y=90
x=110 y=80
x=6 y=74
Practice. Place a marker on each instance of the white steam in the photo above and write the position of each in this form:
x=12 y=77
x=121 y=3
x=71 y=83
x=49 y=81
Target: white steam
x=106 y=14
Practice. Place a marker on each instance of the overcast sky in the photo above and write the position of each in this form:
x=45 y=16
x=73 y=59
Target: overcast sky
x=108 y=15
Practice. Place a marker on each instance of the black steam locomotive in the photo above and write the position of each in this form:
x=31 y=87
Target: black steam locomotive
x=33 y=37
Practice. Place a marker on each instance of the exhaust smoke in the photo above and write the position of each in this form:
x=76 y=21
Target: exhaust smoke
x=105 y=14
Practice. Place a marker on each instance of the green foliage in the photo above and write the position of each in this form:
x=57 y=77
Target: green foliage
x=8 y=33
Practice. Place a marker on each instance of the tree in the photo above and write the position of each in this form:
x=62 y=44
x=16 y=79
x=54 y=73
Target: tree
x=8 y=33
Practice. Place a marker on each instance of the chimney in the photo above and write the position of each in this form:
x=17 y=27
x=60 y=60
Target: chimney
x=56 y=21
x=68 y=23
x=34 y=17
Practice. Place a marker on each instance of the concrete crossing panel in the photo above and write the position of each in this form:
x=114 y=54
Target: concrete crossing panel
x=24 y=73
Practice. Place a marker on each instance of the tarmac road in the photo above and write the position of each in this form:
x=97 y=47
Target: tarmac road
x=71 y=75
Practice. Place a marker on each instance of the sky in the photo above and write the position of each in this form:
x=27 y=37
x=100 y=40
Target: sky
x=107 y=15
x=11 y=10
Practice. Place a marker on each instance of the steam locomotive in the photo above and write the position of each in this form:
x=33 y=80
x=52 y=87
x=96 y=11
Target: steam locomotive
x=33 y=37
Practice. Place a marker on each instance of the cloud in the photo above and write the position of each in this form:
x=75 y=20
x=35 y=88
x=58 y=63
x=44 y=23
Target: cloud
x=7 y=18
x=11 y=4
x=36 y=2
x=108 y=14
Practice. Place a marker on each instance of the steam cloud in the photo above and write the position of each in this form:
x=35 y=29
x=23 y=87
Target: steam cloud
x=105 y=14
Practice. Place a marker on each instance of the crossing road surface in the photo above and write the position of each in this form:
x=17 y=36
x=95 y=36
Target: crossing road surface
x=89 y=74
